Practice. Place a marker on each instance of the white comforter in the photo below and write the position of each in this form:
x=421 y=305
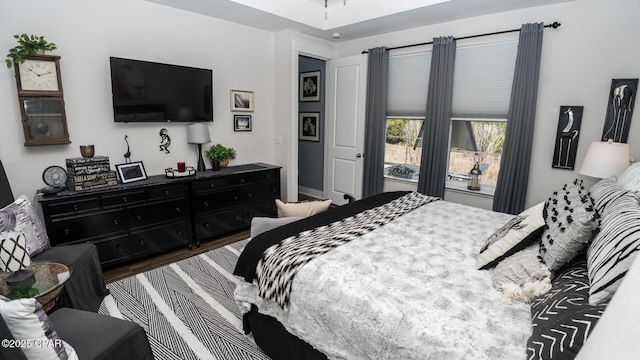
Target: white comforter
x=409 y=290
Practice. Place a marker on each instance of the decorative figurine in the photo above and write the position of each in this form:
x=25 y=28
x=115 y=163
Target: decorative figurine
x=127 y=155
x=165 y=141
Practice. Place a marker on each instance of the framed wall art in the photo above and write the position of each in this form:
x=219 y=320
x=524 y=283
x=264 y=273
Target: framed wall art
x=567 y=136
x=241 y=122
x=308 y=127
x=131 y=172
x=310 y=86
x=241 y=100
x=622 y=98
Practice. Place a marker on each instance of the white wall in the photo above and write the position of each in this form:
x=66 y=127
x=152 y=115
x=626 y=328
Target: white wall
x=87 y=33
x=596 y=43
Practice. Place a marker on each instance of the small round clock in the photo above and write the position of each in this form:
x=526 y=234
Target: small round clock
x=39 y=75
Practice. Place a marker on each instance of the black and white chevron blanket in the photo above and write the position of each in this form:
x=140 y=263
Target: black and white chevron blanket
x=281 y=262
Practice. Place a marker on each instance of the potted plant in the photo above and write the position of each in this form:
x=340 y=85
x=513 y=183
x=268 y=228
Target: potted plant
x=220 y=155
x=28 y=45
x=401 y=171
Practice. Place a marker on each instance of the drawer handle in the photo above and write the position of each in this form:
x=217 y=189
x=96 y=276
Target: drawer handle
x=75 y=207
x=207 y=225
x=167 y=193
x=268 y=176
x=212 y=185
x=235 y=198
x=274 y=190
x=66 y=231
x=242 y=181
x=124 y=199
x=178 y=210
x=139 y=217
x=115 y=221
x=119 y=247
x=179 y=232
x=236 y=218
x=205 y=203
x=249 y=195
x=141 y=242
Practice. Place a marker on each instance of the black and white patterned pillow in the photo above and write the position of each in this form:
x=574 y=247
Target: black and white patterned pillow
x=571 y=221
x=605 y=192
x=562 y=319
x=614 y=248
x=515 y=235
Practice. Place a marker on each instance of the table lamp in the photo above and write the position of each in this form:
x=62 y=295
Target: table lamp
x=198 y=133
x=605 y=158
x=14 y=257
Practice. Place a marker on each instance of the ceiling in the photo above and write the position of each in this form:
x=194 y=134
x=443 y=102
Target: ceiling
x=352 y=19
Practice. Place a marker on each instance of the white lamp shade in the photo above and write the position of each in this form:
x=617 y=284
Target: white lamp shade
x=605 y=159
x=13 y=251
x=198 y=133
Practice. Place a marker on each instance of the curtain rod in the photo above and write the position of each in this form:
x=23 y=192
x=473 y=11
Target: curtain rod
x=555 y=25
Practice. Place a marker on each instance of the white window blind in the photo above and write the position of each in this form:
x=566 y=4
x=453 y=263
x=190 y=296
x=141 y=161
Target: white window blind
x=483 y=76
x=408 y=84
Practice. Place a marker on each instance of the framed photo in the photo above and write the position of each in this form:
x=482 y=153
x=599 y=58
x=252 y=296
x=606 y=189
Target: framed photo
x=308 y=127
x=617 y=122
x=241 y=100
x=310 y=86
x=241 y=122
x=131 y=172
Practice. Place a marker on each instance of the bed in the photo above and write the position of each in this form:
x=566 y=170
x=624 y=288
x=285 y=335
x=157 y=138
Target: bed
x=409 y=287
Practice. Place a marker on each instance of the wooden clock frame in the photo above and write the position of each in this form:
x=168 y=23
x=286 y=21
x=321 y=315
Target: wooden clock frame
x=44 y=121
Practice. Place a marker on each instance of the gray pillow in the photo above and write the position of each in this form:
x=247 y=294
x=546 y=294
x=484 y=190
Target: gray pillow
x=262 y=224
x=571 y=221
x=522 y=276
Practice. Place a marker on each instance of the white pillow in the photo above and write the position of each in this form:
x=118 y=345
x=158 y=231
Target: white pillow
x=21 y=216
x=262 y=224
x=630 y=178
x=512 y=237
x=522 y=276
x=29 y=324
x=304 y=208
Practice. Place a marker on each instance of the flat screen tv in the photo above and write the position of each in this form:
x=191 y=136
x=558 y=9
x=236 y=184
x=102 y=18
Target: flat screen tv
x=146 y=91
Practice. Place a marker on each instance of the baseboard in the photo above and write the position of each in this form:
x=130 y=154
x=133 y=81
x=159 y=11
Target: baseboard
x=311 y=192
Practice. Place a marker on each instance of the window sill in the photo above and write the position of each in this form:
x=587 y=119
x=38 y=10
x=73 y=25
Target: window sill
x=461 y=187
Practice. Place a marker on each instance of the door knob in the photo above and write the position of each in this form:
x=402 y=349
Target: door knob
x=358 y=155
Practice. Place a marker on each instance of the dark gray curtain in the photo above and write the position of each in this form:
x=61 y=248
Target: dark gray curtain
x=374 y=142
x=511 y=188
x=433 y=165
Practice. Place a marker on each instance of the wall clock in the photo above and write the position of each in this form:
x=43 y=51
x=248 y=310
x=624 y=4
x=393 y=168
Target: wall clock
x=41 y=100
x=39 y=75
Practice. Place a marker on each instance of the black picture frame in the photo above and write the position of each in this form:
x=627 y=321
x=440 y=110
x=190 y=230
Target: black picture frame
x=310 y=86
x=309 y=126
x=241 y=122
x=131 y=172
x=567 y=137
x=621 y=100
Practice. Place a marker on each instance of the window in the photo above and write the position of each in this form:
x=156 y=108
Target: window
x=470 y=137
x=403 y=147
x=483 y=77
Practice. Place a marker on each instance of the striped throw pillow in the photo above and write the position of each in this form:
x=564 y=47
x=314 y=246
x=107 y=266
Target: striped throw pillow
x=614 y=248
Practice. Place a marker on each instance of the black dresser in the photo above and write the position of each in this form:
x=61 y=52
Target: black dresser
x=127 y=221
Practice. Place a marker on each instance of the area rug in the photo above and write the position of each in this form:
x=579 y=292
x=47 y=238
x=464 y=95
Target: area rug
x=187 y=308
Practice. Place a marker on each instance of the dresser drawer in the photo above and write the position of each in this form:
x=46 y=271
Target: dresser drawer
x=218 y=201
x=118 y=249
x=261 y=176
x=56 y=208
x=217 y=183
x=260 y=210
x=155 y=213
x=166 y=192
x=123 y=198
x=266 y=192
x=86 y=227
x=219 y=223
x=163 y=237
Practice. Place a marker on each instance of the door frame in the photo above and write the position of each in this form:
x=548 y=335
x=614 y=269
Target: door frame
x=299 y=47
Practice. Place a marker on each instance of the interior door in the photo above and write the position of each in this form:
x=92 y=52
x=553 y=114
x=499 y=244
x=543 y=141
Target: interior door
x=346 y=88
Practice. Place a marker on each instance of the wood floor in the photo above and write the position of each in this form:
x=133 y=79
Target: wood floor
x=156 y=261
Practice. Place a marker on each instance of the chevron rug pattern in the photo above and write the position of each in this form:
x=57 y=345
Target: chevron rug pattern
x=187 y=308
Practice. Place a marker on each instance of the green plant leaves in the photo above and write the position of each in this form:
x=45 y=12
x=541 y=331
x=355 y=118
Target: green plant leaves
x=28 y=45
